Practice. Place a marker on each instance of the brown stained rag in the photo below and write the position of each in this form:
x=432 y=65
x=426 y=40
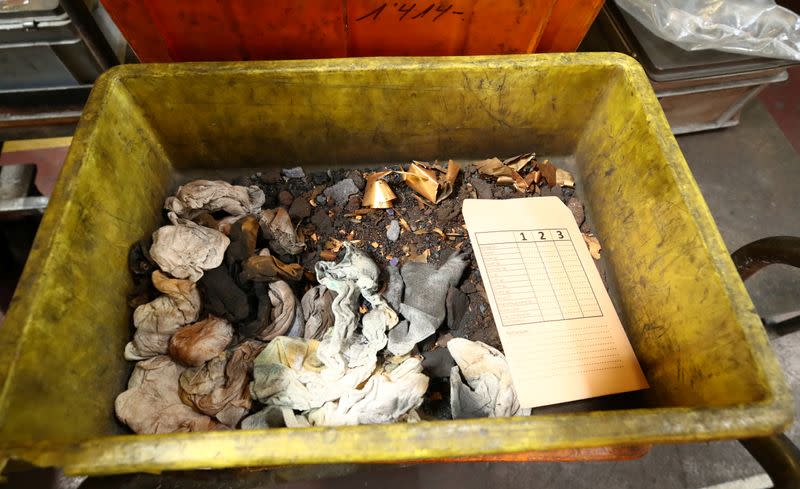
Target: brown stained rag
x=243 y=235
x=269 y=269
x=215 y=195
x=198 y=343
x=317 y=312
x=151 y=403
x=284 y=310
x=277 y=228
x=220 y=388
x=159 y=319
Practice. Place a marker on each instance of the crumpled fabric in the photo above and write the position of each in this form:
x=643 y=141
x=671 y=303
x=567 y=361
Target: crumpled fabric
x=262 y=320
x=224 y=225
x=288 y=374
x=262 y=268
x=159 y=319
x=243 y=235
x=215 y=195
x=317 y=311
x=394 y=288
x=198 y=343
x=277 y=228
x=185 y=248
x=388 y=396
x=284 y=312
x=488 y=391
x=151 y=403
x=275 y=417
x=424 y=301
x=222 y=296
x=342 y=349
x=344 y=358
x=282 y=371
x=220 y=388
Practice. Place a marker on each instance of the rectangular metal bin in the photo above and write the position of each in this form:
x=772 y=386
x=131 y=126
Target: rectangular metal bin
x=689 y=318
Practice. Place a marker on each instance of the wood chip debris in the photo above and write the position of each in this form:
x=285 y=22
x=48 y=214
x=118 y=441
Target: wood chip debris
x=593 y=244
x=507 y=172
x=564 y=178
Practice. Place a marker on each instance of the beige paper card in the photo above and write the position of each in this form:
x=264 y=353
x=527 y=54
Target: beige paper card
x=561 y=335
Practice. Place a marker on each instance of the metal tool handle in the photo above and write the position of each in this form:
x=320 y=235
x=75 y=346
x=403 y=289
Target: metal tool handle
x=776 y=454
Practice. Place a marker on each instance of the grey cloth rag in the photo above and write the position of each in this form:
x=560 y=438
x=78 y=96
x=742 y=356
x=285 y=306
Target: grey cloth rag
x=488 y=390
x=424 y=301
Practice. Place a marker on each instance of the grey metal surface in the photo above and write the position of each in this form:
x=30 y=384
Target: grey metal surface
x=24 y=206
x=27 y=7
x=15 y=181
x=50 y=112
x=33 y=67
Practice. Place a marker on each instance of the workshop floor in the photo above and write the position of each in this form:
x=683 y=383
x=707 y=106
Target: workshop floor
x=749 y=177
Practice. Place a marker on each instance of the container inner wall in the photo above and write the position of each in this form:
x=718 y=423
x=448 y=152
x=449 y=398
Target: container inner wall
x=678 y=313
x=70 y=313
x=351 y=112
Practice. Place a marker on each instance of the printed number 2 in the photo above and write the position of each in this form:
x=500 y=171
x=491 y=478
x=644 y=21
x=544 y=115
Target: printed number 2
x=560 y=235
x=523 y=236
x=541 y=235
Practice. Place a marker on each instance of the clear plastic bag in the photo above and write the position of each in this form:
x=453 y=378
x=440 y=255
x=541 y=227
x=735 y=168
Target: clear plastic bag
x=751 y=27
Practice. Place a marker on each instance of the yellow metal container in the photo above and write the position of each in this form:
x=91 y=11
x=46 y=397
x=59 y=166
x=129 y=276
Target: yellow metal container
x=689 y=318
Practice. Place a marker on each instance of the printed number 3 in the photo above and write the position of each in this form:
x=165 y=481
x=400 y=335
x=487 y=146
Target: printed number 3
x=560 y=235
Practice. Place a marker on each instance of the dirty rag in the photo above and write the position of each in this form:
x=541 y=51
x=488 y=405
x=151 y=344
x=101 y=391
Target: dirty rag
x=424 y=301
x=317 y=311
x=220 y=388
x=274 y=417
x=394 y=288
x=261 y=268
x=151 y=403
x=159 y=319
x=283 y=311
x=282 y=370
x=243 y=235
x=222 y=296
x=341 y=347
x=277 y=228
x=388 y=396
x=185 y=248
x=198 y=343
x=215 y=195
x=488 y=391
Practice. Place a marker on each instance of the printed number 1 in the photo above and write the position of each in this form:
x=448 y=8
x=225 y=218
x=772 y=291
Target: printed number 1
x=523 y=236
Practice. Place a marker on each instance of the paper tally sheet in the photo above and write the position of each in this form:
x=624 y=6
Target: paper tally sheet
x=561 y=335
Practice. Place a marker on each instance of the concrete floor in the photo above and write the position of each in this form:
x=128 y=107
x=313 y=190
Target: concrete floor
x=749 y=177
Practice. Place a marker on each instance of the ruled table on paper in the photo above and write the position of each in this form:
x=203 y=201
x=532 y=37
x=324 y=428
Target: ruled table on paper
x=560 y=332
x=537 y=276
